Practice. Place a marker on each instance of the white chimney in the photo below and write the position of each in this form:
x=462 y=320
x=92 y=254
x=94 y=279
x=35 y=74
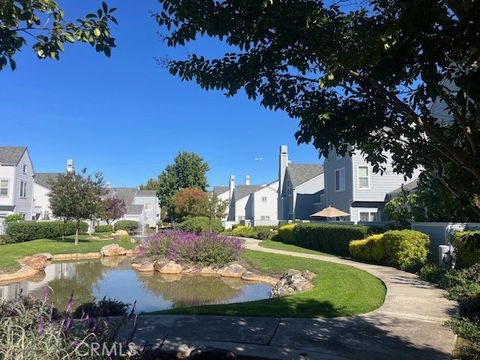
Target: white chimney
x=231 y=186
x=247 y=179
x=70 y=167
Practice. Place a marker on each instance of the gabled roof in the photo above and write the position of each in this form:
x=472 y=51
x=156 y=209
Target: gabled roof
x=11 y=155
x=127 y=195
x=45 y=179
x=146 y=193
x=244 y=190
x=301 y=173
x=409 y=187
x=220 y=189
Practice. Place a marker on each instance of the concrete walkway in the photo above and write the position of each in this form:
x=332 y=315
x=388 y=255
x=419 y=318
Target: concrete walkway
x=409 y=325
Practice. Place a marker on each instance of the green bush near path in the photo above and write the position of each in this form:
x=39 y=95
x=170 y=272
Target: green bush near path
x=467 y=248
x=104 y=228
x=339 y=290
x=200 y=224
x=278 y=245
x=31 y=230
x=129 y=226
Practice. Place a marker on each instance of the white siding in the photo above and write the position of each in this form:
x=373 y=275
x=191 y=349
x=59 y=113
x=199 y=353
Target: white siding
x=24 y=205
x=41 y=198
x=341 y=200
x=265 y=210
x=151 y=211
x=8 y=173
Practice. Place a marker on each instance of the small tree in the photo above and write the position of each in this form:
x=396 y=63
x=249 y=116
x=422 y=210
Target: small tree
x=215 y=209
x=76 y=196
x=189 y=202
x=115 y=208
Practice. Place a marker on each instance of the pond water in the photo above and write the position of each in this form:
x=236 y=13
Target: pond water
x=114 y=278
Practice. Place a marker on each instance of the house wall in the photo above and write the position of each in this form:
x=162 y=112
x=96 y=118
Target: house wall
x=152 y=214
x=241 y=211
x=24 y=205
x=8 y=173
x=225 y=197
x=41 y=200
x=268 y=210
x=306 y=195
x=341 y=200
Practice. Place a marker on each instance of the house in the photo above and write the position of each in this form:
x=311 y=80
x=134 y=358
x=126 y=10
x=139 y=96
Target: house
x=142 y=205
x=16 y=182
x=41 y=195
x=223 y=194
x=352 y=186
x=253 y=204
x=300 y=189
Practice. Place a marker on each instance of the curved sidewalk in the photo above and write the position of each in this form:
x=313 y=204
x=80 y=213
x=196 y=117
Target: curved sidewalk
x=409 y=325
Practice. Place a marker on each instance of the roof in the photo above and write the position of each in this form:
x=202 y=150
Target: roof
x=220 y=189
x=11 y=155
x=408 y=187
x=127 y=195
x=301 y=173
x=45 y=179
x=134 y=209
x=146 y=193
x=244 y=190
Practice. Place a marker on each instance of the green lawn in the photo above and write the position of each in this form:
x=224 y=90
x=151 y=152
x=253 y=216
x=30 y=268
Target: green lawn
x=339 y=291
x=11 y=253
x=289 y=247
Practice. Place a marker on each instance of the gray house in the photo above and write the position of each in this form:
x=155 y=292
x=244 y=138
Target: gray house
x=142 y=205
x=300 y=190
x=352 y=186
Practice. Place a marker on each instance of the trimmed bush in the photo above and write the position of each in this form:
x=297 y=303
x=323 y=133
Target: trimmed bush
x=329 y=238
x=130 y=226
x=32 y=230
x=201 y=224
x=406 y=249
x=104 y=228
x=467 y=248
x=245 y=231
x=14 y=218
x=285 y=233
x=264 y=232
x=370 y=249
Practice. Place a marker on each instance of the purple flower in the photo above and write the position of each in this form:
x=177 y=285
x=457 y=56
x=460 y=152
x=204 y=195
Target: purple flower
x=40 y=325
x=70 y=304
x=45 y=294
x=68 y=323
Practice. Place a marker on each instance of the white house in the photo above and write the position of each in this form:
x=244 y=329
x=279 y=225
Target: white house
x=41 y=195
x=142 y=205
x=223 y=193
x=16 y=182
x=352 y=186
x=300 y=189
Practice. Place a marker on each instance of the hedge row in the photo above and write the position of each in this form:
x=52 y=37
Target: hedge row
x=31 y=230
x=262 y=232
x=201 y=224
x=329 y=238
x=467 y=248
x=129 y=226
x=104 y=228
x=404 y=249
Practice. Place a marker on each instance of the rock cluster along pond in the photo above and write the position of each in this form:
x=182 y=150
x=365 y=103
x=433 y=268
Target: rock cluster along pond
x=293 y=281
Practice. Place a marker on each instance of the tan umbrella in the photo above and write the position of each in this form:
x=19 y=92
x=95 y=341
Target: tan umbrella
x=330 y=212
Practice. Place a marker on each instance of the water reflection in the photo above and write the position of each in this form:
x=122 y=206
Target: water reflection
x=115 y=278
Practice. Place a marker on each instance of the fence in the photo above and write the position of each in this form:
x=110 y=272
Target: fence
x=2 y=227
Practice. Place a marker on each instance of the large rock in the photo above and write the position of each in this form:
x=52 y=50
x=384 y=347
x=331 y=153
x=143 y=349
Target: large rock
x=170 y=267
x=293 y=281
x=233 y=270
x=113 y=250
x=36 y=262
x=144 y=266
x=210 y=271
x=121 y=233
x=250 y=276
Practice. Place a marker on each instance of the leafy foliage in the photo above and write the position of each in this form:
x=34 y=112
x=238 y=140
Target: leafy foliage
x=406 y=249
x=44 y=21
x=189 y=202
x=104 y=228
x=114 y=208
x=13 y=218
x=131 y=226
x=383 y=75
x=285 y=233
x=370 y=249
x=201 y=224
x=31 y=230
x=467 y=248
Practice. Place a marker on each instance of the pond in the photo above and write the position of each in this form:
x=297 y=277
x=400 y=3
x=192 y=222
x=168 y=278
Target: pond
x=114 y=278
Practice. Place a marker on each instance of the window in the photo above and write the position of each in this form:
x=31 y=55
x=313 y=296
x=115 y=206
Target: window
x=23 y=189
x=340 y=179
x=24 y=168
x=3 y=187
x=363 y=177
x=290 y=216
x=264 y=199
x=147 y=206
x=264 y=217
x=368 y=216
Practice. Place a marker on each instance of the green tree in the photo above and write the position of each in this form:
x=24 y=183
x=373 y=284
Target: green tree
x=215 y=209
x=77 y=196
x=189 y=202
x=43 y=22
x=397 y=76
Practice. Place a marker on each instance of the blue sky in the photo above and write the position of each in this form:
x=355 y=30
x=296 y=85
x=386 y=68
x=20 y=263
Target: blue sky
x=127 y=117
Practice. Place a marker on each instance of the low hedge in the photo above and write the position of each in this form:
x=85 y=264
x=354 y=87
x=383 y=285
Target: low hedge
x=261 y=232
x=285 y=233
x=371 y=249
x=32 y=230
x=130 y=226
x=467 y=248
x=329 y=238
x=406 y=249
x=201 y=224
x=104 y=228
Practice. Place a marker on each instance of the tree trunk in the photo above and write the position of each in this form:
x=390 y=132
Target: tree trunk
x=77 y=232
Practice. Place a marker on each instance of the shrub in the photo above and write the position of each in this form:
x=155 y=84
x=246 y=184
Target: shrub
x=205 y=249
x=467 y=248
x=264 y=232
x=201 y=224
x=406 y=249
x=14 y=218
x=130 y=226
x=103 y=308
x=431 y=273
x=245 y=231
x=285 y=233
x=3 y=239
x=370 y=249
x=329 y=238
x=158 y=244
x=104 y=228
x=31 y=230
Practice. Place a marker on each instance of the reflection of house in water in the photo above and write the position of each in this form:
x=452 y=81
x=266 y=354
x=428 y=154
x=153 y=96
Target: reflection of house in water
x=52 y=272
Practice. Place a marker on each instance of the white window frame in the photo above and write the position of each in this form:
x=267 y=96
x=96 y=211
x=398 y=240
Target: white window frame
x=368 y=177
x=8 y=188
x=264 y=218
x=340 y=189
x=369 y=216
x=24 y=168
x=264 y=199
x=23 y=189
x=147 y=206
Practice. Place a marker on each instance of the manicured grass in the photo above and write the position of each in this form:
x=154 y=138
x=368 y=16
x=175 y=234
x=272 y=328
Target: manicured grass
x=11 y=253
x=339 y=291
x=289 y=247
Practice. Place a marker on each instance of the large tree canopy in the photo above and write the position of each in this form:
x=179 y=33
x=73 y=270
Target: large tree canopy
x=384 y=75
x=44 y=23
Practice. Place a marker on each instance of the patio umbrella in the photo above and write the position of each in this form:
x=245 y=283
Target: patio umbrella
x=330 y=212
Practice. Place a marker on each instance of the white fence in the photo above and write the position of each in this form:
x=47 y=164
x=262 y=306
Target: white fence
x=2 y=227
